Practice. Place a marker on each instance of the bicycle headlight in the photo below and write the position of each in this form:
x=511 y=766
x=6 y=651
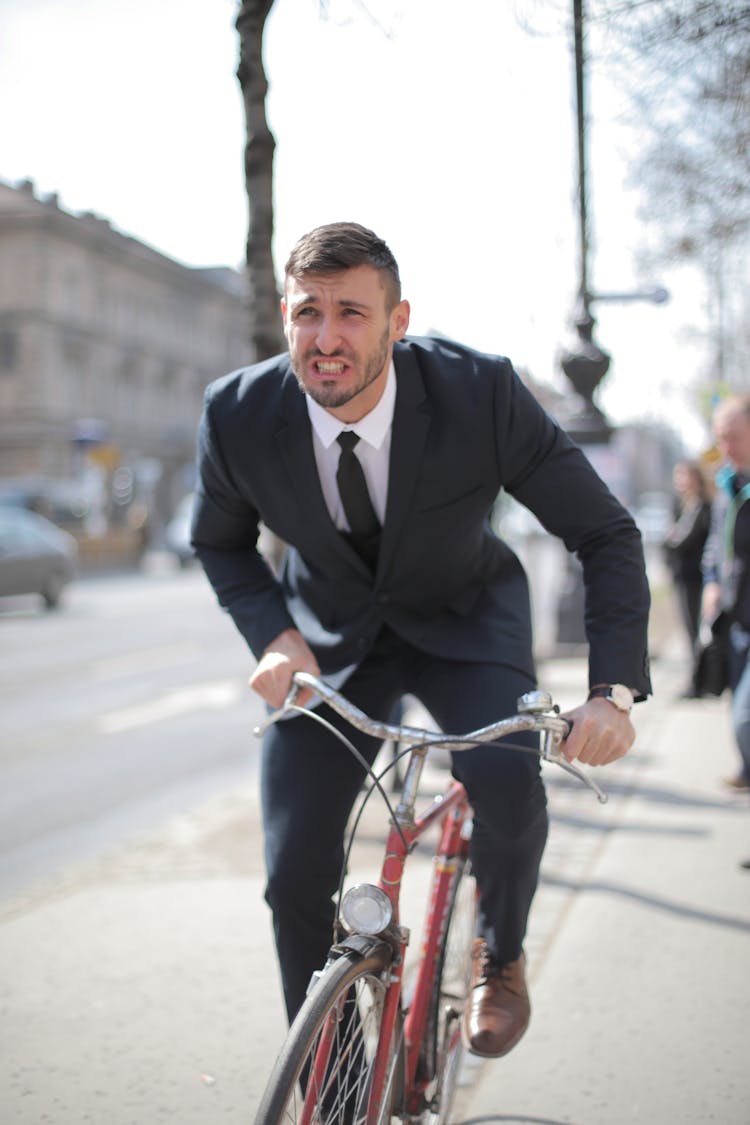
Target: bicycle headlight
x=366 y=909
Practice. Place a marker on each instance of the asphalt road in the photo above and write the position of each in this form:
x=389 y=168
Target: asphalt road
x=127 y=705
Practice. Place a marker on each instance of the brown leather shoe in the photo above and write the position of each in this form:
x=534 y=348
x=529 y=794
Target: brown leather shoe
x=497 y=1008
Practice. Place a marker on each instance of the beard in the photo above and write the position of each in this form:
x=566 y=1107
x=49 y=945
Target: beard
x=332 y=395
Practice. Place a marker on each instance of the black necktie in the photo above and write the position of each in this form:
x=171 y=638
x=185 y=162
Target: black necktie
x=360 y=514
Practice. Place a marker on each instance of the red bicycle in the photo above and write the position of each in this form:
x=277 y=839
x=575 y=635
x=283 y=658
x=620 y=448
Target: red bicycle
x=368 y=1047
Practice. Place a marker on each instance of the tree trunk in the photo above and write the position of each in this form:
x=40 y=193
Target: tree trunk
x=265 y=328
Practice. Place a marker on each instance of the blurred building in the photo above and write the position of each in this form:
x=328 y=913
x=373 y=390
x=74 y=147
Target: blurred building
x=106 y=347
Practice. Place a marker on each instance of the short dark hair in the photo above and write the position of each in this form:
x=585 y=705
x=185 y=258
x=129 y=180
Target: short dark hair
x=343 y=246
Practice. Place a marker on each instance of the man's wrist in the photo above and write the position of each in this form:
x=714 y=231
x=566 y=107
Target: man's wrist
x=618 y=695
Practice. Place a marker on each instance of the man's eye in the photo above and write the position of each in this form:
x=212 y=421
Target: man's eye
x=305 y=312
x=352 y=312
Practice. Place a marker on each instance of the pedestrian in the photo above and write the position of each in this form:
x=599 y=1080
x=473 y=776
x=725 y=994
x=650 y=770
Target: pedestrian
x=416 y=596
x=683 y=551
x=726 y=564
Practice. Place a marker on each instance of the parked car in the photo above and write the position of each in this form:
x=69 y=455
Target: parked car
x=36 y=556
x=66 y=502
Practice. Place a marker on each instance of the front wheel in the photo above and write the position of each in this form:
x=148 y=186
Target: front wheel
x=323 y=1074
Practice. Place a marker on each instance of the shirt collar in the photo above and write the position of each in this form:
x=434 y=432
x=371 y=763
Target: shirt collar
x=373 y=428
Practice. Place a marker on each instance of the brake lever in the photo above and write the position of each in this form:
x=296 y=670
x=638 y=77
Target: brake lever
x=289 y=704
x=551 y=753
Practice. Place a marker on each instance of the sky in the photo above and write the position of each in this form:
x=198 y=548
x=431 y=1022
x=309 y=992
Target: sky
x=450 y=135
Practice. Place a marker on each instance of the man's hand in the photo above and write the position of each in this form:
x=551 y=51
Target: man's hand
x=288 y=653
x=600 y=734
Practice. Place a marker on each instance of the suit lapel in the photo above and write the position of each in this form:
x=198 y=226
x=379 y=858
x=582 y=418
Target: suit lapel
x=294 y=442
x=411 y=423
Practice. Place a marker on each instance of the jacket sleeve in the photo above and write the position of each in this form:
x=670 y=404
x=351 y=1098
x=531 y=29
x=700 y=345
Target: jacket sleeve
x=224 y=536
x=550 y=475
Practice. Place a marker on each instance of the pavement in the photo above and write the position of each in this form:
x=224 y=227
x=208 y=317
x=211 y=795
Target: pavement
x=142 y=987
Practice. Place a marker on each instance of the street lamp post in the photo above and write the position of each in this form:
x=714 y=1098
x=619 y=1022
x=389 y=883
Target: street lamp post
x=586 y=363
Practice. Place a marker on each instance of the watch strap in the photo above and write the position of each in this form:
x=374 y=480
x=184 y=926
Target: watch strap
x=618 y=695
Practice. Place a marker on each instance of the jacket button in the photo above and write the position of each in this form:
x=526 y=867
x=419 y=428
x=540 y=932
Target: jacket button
x=383 y=599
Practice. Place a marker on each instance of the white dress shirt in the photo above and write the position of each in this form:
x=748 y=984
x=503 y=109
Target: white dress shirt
x=373 y=450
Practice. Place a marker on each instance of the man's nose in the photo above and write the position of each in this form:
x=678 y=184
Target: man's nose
x=328 y=336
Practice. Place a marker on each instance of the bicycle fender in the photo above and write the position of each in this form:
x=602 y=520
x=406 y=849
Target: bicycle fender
x=362 y=944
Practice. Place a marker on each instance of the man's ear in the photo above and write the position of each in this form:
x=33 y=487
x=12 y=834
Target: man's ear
x=400 y=320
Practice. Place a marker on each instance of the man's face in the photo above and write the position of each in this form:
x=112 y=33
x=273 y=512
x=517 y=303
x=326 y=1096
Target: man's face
x=732 y=431
x=340 y=335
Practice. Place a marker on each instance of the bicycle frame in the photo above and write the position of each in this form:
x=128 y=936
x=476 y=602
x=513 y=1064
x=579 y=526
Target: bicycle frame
x=452 y=809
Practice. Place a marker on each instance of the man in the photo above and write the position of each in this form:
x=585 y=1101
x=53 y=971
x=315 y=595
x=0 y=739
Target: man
x=726 y=563
x=422 y=599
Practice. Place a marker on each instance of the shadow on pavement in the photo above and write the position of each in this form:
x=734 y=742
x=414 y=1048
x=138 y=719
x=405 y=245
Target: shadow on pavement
x=678 y=909
x=634 y=828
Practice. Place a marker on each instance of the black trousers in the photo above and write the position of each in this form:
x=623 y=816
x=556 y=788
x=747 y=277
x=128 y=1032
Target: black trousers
x=309 y=783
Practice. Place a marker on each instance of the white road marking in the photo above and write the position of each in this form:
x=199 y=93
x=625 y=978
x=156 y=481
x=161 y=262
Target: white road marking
x=199 y=697
x=133 y=662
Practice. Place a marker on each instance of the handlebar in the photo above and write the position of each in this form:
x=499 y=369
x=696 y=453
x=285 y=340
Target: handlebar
x=536 y=712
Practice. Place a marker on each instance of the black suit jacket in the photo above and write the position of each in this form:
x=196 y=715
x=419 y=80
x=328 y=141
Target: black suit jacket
x=464 y=427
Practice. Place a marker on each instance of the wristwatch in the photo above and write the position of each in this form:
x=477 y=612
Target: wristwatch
x=618 y=695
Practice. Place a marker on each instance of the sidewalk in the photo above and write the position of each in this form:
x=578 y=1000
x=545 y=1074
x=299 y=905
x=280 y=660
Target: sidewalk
x=143 y=989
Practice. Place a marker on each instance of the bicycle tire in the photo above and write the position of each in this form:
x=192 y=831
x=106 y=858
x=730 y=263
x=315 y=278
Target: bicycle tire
x=442 y=1047
x=341 y=1096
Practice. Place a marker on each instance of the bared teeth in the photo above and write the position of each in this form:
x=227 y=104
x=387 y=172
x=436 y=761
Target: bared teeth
x=330 y=368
